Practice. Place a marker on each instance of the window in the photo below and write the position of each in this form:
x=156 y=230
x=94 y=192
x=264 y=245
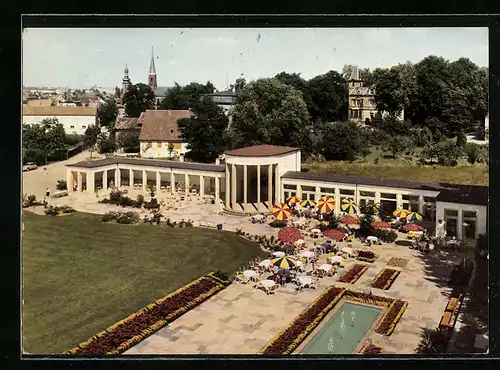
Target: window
x=308 y=188
x=367 y=193
x=450 y=217
x=469 y=227
x=177 y=146
x=371 y=115
x=158 y=145
x=346 y=192
x=388 y=195
x=83 y=126
x=171 y=131
x=71 y=126
x=290 y=186
x=328 y=191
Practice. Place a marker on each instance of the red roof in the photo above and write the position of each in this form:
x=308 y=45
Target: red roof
x=161 y=125
x=263 y=150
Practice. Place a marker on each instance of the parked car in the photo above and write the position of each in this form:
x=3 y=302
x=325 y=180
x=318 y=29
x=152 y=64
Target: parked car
x=30 y=166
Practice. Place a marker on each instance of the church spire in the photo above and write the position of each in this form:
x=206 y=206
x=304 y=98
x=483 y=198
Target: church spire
x=152 y=68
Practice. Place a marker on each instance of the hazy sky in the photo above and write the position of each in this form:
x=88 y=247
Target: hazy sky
x=78 y=57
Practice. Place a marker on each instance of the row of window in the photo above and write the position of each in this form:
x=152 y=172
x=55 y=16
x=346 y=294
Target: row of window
x=160 y=144
x=83 y=126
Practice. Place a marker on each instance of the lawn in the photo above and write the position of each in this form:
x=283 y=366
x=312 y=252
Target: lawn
x=400 y=170
x=81 y=275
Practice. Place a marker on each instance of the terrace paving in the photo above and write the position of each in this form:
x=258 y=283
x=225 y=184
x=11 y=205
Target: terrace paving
x=242 y=319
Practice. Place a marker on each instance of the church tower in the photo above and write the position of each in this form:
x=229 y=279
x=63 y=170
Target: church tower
x=125 y=81
x=152 y=83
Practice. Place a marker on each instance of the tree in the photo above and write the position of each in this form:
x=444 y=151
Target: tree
x=390 y=95
x=137 y=99
x=185 y=97
x=204 y=132
x=43 y=141
x=397 y=144
x=433 y=341
x=328 y=97
x=269 y=112
x=107 y=112
x=448 y=154
x=106 y=144
x=461 y=139
x=343 y=141
x=239 y=84
x=129 y=139
x=476 y=153
x=118 y=92
x=90 y=137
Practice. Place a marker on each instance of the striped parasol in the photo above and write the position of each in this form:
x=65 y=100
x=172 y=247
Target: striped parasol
x=348 y=206
x=326 y=204
x=284 y=262
x=414 y=216
x=401 y=213
x=293 y=199
x=281 y=211
x=307 y=203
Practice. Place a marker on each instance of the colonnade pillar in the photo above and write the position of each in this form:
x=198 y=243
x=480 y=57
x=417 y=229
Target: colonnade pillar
x=258 y=185
x=270 y=186
x=105 y=180
x=245 y=188
x=228 y=186
x=202 y=186
x=172 y=182
x=144 y=180
x=158 y=181
x=217 y=188
x=233 y=186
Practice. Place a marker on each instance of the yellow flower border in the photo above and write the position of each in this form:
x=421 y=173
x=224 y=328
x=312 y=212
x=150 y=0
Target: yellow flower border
x=396 y=319
x=356 y=277
x=365 y=347
x=159 y=324
x=311 y=326
x=389 y=282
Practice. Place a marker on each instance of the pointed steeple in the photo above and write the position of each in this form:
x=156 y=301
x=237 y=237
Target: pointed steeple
x=354 y=74
x=152 y=68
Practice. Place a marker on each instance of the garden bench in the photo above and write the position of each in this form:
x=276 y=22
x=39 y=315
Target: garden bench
x=446 y=319
x=59 y=194
x=209 y=224
x=452 y=305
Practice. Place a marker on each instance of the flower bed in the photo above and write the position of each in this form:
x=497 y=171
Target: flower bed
x=381 y=225
x=413 y=227
x=353 y=274
x=349 y=220
x=371 y=349
x=126 y=333
x=335 y=234
x=366 y=256
x=289 y=234
x=388 y=322
x=289 y=339
x=385 y=278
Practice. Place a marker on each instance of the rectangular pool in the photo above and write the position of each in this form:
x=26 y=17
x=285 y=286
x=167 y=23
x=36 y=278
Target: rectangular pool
x=343 y=331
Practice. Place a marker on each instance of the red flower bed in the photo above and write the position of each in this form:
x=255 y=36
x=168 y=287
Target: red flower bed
x=117 y=335
x=413 y=227
x=367 y=256
x=289 y=234
x=370 y=349
x=391 y=317
x=353 y=274
x=381 y=225
x=385 y=279
x=296 y=332
x=349 y=220
x=335 y=234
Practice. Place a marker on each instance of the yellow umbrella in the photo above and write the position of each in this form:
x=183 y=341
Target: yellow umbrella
x=401 y=213
x=414 y=216
x=326 y=204
x=348 y=206
x=284 y=262
x=307 y=203
x=281 y=211
x=293 y=199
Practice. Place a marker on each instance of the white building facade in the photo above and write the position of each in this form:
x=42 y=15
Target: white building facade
x=75 y=120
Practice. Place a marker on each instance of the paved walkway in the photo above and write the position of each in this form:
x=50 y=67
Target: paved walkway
x=242 y=319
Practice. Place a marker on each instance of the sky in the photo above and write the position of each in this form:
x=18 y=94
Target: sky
x=84 y=57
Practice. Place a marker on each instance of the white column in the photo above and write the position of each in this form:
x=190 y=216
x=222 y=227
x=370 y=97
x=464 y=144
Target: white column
x=317 y=194
x=118 y=178
x=69 y=180
x=90 y=182
x=144 y=180
x=245 y=188
x=228 y=186
x=459 y=224
x=258 y=186
x=202 y=186
x=421 y=204
x=233 y=187
x=158 y=181
x=337 y=201
x=105 y=180
x=186 y=181
x=399 y=201
x=270 y=186
x=439 y=215
x=172 y=182
x=131 y=178
x=299 y=191
x=377 y=197
x=277 y=189
x=79 y=181
x=217 y=188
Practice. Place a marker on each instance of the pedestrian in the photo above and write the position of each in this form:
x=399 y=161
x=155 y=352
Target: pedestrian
x=47 y=193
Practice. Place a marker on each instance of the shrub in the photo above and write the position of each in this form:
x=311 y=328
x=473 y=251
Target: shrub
x=67 y=209
x=460 y=275
x=30 y=200
x=476 y=153
x=51 y=211
x=433 y=341
x=153 y=204
x=127 y=218
x=140 y=200
x=387 y=236
x=278 y=223
x=115 y=196
x=109 y=216
x=61 y=185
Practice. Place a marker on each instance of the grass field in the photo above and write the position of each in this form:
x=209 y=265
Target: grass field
x=399 y=170
x=80 y=275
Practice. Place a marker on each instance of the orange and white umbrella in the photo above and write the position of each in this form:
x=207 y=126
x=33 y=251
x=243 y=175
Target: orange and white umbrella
x=326 y=204
x=281 y=211
x=293 y=199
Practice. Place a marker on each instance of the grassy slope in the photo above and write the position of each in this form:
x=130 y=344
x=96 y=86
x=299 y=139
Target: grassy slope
x=475 y=175
x=81 y=275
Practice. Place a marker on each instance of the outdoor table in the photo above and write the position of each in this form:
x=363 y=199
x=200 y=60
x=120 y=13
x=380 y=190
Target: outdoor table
x=337 y=259
x=347 y=250
x=316 y=231
x=305 y=280
x=307 y=254
x=326 y=267
x=372 y=238
x=415 y=234
x=279 y=254
x=265 y=263
x=267 y=284
x=250 y=274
